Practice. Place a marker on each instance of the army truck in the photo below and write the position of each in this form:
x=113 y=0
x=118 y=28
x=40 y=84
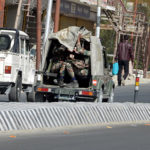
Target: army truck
x=17 y=67
x=96 y=86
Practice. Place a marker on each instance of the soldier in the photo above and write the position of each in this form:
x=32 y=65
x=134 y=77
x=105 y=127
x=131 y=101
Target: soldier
x=60 y=65
x=81 y=65
x=79 y=60
x=79 y=49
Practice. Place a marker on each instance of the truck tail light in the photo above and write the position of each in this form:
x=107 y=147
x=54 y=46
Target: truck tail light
x=43 y=90
x=7 y=69
x=94 y=82
x=87 y=93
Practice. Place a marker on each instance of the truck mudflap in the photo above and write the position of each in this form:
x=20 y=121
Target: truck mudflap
x=68 y=94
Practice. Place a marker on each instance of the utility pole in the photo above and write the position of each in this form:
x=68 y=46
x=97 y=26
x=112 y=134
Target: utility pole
x=2 y=5
x=134 y=19
x=48 y=20
x=18 y=14
x=98 y=18
x=38 y=44
x=47 y=27
x=147 y=56
x=57 y=16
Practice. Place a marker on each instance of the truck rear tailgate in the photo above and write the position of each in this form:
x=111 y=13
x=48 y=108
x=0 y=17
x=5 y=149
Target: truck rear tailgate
x=67 y=93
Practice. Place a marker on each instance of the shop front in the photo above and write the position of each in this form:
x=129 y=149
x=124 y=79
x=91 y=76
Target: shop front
x=76 y=14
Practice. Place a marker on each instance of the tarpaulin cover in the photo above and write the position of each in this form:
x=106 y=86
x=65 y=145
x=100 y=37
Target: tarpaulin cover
x=68 y=37
x=97 y=64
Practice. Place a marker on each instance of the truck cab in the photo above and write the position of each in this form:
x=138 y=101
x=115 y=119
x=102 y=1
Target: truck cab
x=17 y=68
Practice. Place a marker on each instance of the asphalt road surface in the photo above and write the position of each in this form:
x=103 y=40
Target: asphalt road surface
x=129 y=137
x=133 y=137
x=122 y=94
x=126 y=94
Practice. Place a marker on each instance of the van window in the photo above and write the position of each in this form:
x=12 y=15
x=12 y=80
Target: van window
x=4 y=42
x=22 y=46
x=27 y=47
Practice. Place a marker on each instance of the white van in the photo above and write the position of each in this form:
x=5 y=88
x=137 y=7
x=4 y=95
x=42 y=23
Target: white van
x=17 y=67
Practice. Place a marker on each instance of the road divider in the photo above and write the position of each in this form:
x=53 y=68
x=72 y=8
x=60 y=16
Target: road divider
x=25 y=116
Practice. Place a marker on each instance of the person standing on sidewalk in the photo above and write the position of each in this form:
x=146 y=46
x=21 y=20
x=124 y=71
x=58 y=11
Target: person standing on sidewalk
x=123 y=56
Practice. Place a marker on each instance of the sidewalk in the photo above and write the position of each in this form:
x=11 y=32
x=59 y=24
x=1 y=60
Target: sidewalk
x=131 y=80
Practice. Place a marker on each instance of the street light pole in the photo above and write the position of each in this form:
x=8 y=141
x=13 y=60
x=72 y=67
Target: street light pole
x=98 y=18
x=18 y=14
x=48 y=20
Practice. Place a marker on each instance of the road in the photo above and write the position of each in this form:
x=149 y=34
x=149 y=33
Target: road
x=122 y=94
x=128 y=137
x=133 y=137
x=126 y=94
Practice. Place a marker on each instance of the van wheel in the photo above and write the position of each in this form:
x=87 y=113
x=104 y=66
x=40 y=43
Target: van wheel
x=30 y=97
x=15 y=92
x=99 y=98
x=111 y=97
x=39 y=97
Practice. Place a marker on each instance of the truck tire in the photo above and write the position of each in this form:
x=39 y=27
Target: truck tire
x=50 y=98
x=39 y=97
x=30 y=97
x=99 y=98
x=111 y=97
x=15 y=92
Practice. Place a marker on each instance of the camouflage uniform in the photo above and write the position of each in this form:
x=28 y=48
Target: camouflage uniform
x=81 y=66
x=82 y=51
x=61 y=66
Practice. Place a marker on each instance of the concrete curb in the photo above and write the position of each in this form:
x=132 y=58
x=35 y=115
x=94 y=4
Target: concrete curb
x=25 y=116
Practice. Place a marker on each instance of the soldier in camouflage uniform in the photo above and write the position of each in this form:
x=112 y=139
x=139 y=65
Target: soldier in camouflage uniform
x=60 y=65
x=81 y=65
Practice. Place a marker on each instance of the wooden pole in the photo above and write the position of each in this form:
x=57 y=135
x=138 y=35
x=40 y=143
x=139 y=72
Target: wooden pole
x=38 y=44
x=135 y=45
x=2 y=5
x=134 y=17
x=116 y=45
x=147 y=56
x=57 y=16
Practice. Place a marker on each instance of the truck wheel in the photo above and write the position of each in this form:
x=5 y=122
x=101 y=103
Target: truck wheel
x=99 y=98
x=30 y=97
x=50 y=98
x=39 y=97
x=111 y=97
x=15 y=92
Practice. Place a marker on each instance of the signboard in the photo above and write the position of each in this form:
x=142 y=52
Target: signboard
x=75 y=9
x=105 y=4
x=90 y=2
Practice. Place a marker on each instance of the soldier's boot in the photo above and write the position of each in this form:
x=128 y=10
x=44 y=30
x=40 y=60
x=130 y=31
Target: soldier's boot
x=61 y=83
x=73 y=84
